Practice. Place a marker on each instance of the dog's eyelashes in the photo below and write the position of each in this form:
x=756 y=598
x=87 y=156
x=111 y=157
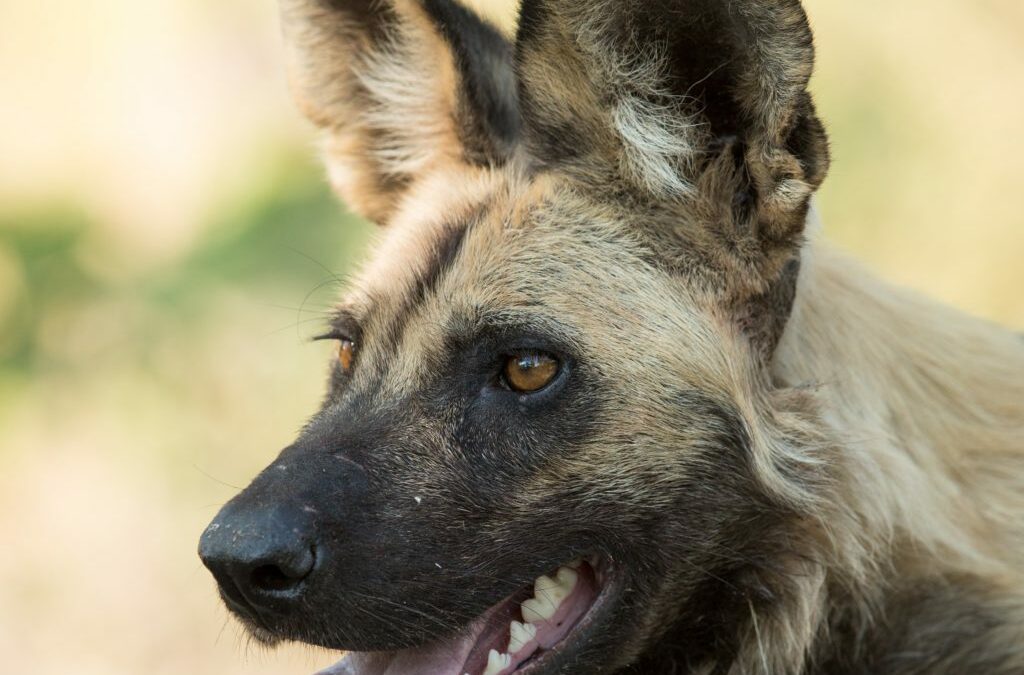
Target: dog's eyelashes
x=530 y=372
x=346 y=349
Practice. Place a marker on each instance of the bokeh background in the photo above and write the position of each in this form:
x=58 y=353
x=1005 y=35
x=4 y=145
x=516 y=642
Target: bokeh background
x=168 y=244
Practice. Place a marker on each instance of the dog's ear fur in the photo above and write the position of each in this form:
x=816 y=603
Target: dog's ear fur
x=700 y=106
x=400 y=87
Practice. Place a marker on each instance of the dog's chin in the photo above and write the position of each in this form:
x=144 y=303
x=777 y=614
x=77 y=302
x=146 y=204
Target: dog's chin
x=525 y=633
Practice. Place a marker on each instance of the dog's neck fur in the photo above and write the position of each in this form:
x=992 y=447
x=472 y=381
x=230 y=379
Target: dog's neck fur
x=926 y=405
x=927 y=402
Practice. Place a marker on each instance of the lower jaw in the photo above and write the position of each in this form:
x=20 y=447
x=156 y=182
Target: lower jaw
x=549 y=616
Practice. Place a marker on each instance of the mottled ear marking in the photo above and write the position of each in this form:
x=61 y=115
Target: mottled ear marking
x=400 y=87
x=698 y=106
x=649 y=89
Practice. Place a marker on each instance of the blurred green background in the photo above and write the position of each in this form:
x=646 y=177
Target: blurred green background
x=168 y=244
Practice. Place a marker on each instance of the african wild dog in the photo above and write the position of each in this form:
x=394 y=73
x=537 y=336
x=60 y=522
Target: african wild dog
x=596 y=349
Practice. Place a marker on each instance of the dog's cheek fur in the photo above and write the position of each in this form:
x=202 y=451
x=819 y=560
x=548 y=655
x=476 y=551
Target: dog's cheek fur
x=684 y=518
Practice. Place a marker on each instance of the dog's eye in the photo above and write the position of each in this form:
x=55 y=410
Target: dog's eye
x=527 y=373
x=346 y=354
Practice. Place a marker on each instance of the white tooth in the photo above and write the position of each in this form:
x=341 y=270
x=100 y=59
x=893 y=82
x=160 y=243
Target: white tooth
x=539 y=609
x=555 y=590
x=497 y=662
x=519 y=635
x=548 y=594
x=543 y=583
x=575 y=564
x=567 y=578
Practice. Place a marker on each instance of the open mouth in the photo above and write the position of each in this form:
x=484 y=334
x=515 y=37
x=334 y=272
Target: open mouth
x=518 y=635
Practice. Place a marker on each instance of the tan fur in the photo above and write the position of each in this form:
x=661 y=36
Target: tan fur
x=386 y=109
x=927 y=406
x=930 y=404
x=891 y=426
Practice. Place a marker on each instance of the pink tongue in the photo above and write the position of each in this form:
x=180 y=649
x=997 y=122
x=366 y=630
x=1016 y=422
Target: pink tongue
x=442 y=658
x=445 y=658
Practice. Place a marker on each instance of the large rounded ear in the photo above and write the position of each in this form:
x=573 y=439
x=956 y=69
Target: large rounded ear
x=400 y=87
x=698 y=107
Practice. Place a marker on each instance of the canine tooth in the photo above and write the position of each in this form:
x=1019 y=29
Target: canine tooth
x=519 y=635
x=497 y=662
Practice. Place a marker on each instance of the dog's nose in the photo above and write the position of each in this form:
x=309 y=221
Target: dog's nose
x=260 y=557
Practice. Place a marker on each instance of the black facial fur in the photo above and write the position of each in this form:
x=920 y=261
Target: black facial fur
x=363 y=466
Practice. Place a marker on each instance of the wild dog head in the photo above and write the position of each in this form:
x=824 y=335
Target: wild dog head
x=550 y=440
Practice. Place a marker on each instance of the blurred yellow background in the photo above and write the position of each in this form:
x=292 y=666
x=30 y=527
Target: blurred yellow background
x=168 y=243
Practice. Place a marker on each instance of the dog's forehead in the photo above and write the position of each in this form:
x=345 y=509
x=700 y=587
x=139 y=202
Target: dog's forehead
x=440 y=205
x=467 y=245
x=534 y=252
x=478 y=239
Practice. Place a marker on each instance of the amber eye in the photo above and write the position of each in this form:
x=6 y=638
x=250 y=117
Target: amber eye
x=346 y=354
x=527 y=373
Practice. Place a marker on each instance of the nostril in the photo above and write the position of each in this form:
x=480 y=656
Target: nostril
x=270 y=578
x=277 y=578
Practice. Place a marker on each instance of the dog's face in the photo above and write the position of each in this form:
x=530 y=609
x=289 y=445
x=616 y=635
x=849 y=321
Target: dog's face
x=543 y=445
